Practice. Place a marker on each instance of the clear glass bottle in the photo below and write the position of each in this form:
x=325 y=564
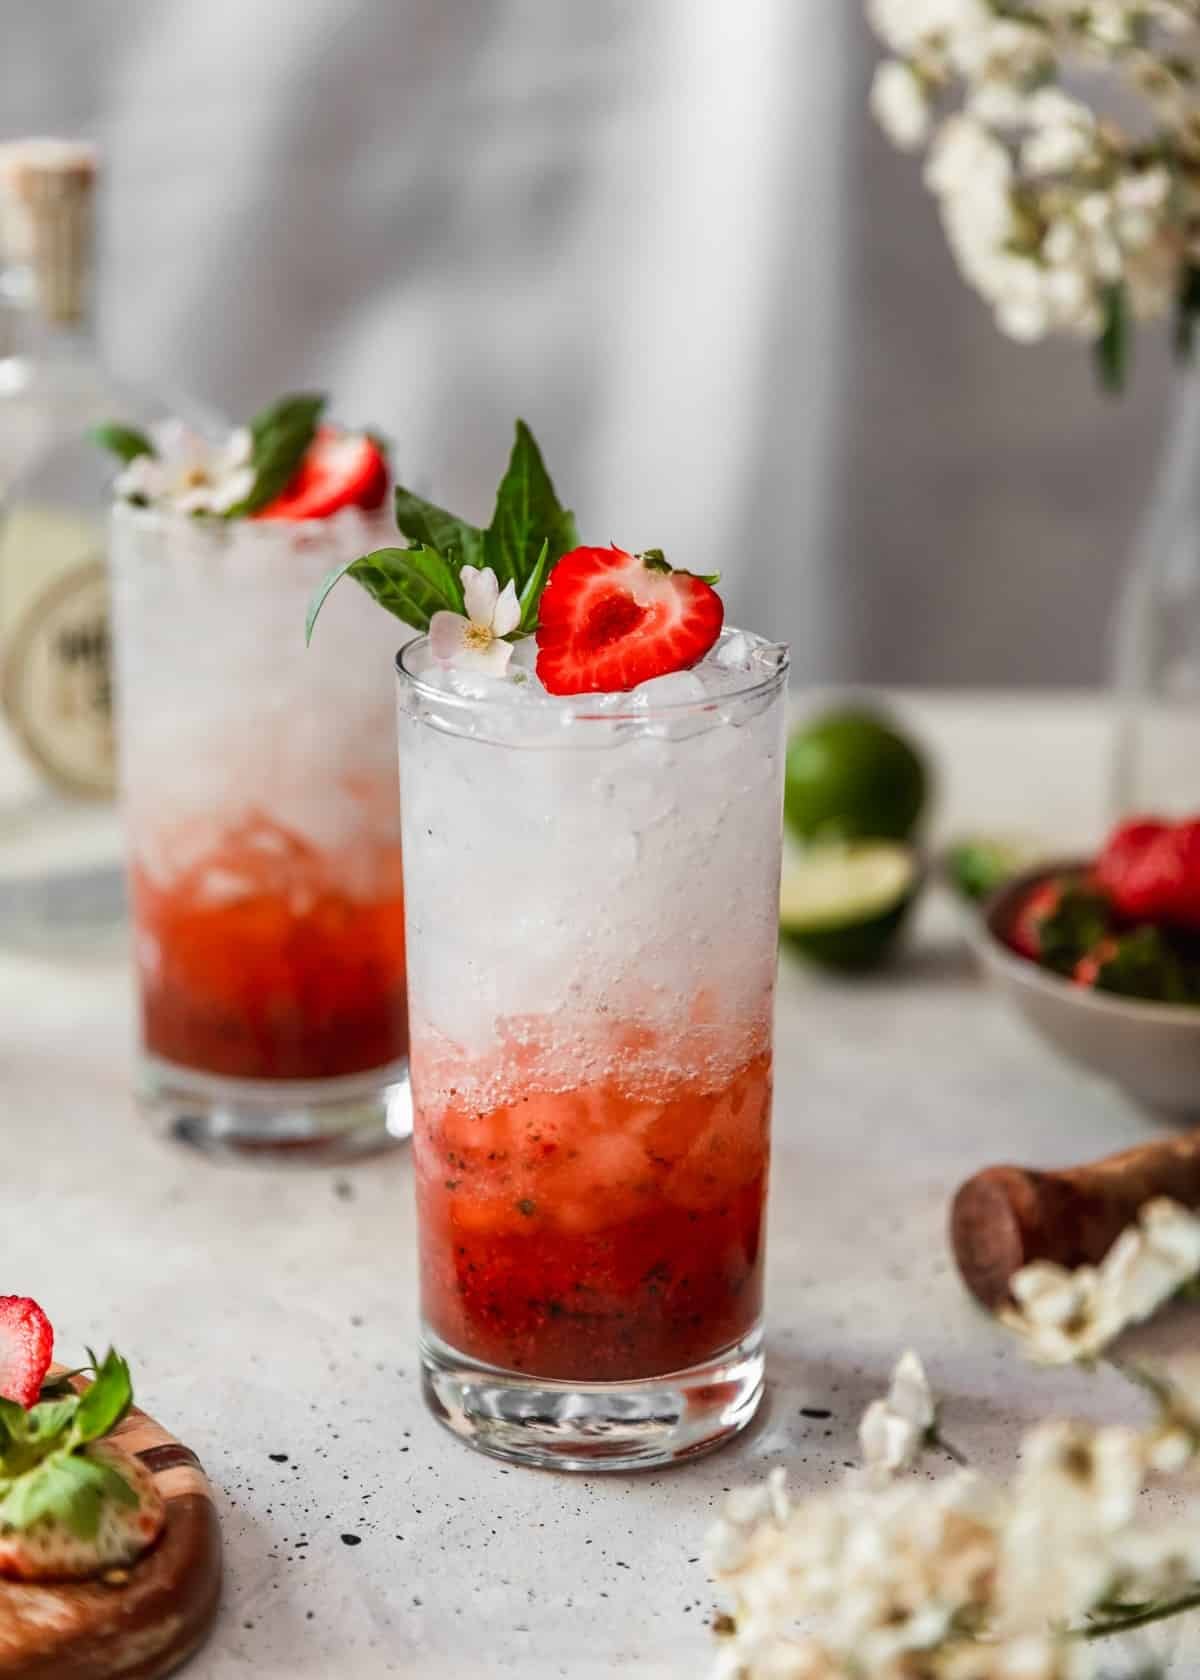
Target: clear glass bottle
x=60 y=841
x=1156 y=765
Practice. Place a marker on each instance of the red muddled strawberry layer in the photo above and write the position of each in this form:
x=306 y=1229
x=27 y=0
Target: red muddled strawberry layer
x=268 y=958
x=608 y=1231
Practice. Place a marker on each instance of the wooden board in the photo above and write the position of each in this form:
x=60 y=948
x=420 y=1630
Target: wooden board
x=137 y=1624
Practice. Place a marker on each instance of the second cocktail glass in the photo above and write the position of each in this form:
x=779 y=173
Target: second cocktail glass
x=592 y=925
x=263 y=834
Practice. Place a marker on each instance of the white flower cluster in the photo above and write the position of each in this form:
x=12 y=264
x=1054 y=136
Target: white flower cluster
x=1066 y=1316
x=960 y=1578
x=188 y=473
x=1062 y=218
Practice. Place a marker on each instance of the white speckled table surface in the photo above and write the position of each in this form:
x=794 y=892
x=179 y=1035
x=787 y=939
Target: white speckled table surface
x=270 y=1315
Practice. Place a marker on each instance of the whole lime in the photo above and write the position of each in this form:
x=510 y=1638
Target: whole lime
x=851 y=775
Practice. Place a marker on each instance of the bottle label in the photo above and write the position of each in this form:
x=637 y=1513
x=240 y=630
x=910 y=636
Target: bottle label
x=57 y=688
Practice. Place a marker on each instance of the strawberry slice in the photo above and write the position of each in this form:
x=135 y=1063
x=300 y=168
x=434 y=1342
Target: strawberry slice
x=26 y=1344
x=610 y=620
x=339 y=469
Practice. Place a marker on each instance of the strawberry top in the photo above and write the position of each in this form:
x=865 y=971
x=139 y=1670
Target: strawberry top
x=610 y=620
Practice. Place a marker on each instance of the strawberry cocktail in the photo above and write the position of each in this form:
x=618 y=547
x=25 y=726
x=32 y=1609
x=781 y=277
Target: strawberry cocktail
x=261 y=789
x=591 y=793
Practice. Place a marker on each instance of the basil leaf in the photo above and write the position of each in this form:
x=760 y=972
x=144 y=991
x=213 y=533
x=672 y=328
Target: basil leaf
x=410 y=583
x=531 y=596
x=106 y=1401
x=428 y=526
x=281 y=434
x=125 y=442
x=527 y=514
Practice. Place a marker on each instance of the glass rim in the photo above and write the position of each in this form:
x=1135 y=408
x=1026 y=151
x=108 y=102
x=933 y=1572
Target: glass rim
x=579 y=708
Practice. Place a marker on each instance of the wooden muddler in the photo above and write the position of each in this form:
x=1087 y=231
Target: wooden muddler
x=1005 y=1217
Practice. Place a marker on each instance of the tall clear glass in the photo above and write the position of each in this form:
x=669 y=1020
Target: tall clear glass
x=592 y=921
x=260 y=788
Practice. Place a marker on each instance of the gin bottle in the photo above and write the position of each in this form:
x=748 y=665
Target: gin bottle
x=60 y=847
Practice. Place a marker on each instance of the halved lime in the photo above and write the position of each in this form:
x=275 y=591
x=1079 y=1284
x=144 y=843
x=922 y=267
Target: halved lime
x=851 y=775
x=843 y=905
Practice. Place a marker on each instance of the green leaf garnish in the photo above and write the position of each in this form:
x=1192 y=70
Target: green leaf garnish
x=530 y=597
x=529 y=532
x=428 y=526
x=281 y=434
x=45 y=1467
x=527 y=514
x=412 y=583
x=125 y=442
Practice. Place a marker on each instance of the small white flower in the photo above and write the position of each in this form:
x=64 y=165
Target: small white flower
x=1066 y=1316
x=476 y=642
x=188 y=473
x=895 y=1429
x=900 y=105
x=1175 y=1440
x=1075 y=1491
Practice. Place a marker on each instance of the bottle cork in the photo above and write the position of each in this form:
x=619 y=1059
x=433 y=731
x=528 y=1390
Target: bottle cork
x=46 y=196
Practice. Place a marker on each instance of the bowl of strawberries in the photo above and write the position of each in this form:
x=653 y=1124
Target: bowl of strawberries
x=1102 y=958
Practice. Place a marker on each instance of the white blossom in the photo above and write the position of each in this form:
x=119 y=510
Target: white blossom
x=900 y=104
x=189 y=473
x=476 y=642
x=1020 y=161
x=1076 y=1489
x=1065 y=1316
x=894 y=1430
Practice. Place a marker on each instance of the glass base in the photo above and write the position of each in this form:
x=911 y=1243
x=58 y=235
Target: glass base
x=316 y=1122
x=601 y=1426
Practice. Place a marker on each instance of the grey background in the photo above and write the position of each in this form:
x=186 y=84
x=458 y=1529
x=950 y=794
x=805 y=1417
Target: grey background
x=666 y=233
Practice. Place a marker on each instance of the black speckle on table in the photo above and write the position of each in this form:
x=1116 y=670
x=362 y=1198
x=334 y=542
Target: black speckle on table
x=818 y=1412
x=351 y=1539
x=278 y=1458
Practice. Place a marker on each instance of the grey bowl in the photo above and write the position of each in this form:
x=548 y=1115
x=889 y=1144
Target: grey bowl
x=1150 y=1050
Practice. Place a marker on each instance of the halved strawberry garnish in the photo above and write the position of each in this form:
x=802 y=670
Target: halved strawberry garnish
x=339 y=469
x=610 y=620
x=26 y=1345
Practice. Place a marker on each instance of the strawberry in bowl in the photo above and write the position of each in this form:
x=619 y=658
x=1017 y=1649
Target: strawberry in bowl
x=1127 y=923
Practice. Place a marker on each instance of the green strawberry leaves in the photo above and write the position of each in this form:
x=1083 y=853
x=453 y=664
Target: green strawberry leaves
x=125 y=442
x=69 y=1487
x=281 y=435
x=44 y=1467
x=529 y=532
x=106 y=1402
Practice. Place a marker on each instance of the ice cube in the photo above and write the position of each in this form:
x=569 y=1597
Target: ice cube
x=477 y=685
x=734 y=652
x=524 y=654
x=675 y=689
